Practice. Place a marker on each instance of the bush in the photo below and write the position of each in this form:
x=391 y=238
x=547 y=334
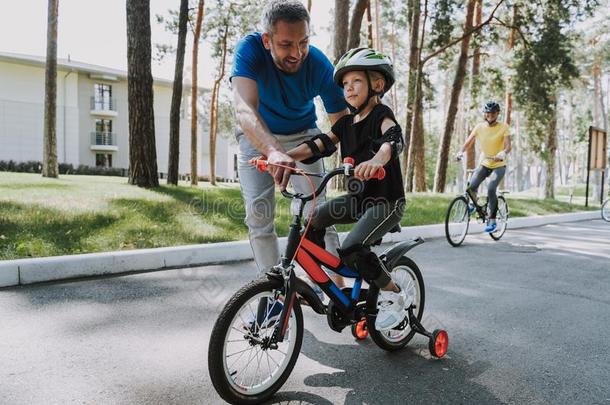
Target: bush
x=33 y=166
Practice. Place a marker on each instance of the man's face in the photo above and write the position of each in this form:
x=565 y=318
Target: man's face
x=491 y=117
x=289 y=45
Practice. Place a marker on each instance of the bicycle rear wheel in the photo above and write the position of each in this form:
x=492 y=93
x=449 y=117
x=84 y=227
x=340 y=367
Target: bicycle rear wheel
x=606 y=211
x=245 y=365
x=413 y=283
x=501 y=219
x=457 y=221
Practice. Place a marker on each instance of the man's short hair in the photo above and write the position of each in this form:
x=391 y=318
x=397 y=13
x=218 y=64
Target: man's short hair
x=283 y=10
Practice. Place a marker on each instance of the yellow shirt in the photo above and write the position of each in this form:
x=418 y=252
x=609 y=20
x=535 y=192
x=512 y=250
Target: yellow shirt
x=491 y=142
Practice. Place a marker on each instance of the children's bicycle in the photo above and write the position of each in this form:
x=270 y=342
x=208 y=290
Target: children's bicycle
x=257 y=337
x=458 y=215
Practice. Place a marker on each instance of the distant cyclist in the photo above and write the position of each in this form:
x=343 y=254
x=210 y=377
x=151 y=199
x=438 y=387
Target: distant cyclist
x=494 y=142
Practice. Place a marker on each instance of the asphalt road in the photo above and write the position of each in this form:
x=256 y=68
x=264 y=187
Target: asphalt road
x=528 y=319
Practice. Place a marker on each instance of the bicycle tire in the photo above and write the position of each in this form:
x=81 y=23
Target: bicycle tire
x=220 y=372
x=459 y=203
x=385 y=340
x=606 y=210
x=503 y=220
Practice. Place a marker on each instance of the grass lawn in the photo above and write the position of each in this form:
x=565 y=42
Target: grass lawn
x=84 y=214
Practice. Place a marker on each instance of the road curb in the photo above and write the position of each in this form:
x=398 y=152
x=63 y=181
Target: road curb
x=29 y=271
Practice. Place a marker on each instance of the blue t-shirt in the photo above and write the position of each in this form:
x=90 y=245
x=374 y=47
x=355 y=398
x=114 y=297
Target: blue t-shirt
x=286 y=100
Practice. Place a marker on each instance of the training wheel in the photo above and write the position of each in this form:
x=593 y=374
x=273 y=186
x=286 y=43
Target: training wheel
x=359 y=330
x=439 y=341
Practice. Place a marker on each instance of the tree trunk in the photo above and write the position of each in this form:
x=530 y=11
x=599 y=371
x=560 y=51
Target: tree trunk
x=417 y=155
x=194 y=93
x=142 y=152
x=214 y=109
x=309 y=6
x=341 y=28
x=415 y=12
x=355 y=24
x=49 y=159
x=475 y=83
x=378 y=43
x=174 y=115
x=369 y=21
x=458 y=83
x=509 y=95
x=549 y=185
x=393 y=51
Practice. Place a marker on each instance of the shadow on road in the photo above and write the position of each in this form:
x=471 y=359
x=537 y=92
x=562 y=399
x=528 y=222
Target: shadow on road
x=374 y=376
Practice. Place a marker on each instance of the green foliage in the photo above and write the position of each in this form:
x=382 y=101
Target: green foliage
x=546 y=64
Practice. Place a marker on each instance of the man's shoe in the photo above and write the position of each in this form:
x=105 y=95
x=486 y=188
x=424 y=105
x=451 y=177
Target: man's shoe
x=491 y=227
x=268 y=318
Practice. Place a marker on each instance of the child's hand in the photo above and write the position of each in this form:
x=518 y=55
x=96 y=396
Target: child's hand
x=368 y=169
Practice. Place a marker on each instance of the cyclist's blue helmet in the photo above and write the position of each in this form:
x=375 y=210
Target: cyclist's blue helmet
x=491 y=107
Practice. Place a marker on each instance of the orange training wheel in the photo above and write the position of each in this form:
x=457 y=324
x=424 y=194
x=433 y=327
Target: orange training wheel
x=439 y=341
x=360 y=330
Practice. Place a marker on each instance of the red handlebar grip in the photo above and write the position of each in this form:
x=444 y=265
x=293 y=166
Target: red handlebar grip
x=380 y=174
x=260 y=164
x=349 y=161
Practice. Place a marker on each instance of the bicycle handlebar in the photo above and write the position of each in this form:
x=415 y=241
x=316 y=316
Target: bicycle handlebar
x=347 y=169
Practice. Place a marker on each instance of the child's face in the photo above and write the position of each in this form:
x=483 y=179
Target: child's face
x=355 y=88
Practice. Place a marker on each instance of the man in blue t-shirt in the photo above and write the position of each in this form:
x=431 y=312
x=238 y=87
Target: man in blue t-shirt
x=275 y=77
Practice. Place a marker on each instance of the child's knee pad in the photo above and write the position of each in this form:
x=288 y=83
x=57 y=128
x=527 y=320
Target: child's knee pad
x=361 y=259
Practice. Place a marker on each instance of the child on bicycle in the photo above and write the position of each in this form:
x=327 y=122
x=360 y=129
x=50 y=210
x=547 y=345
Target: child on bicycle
x=371 y=136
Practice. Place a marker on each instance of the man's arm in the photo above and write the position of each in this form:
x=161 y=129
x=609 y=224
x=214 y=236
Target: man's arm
x=507 y=145
x=507 y=148
x=469 y=142
x=245 y=102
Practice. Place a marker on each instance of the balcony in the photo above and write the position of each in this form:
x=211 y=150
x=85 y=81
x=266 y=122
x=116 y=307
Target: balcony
x=103 y=107
x=103 y=141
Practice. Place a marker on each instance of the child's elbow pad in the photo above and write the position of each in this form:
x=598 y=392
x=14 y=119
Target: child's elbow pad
x=394 y=136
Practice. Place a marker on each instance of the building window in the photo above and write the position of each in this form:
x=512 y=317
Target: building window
x=103 y=160
x=102 y=96
x=103 y=126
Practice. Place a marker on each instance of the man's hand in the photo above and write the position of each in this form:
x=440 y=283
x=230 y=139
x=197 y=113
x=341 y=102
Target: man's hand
x=500 y=156
x=280 y=175
x=368 y=169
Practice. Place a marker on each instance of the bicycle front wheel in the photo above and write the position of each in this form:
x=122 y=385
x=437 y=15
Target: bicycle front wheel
x=606 y=211
x=501 y=219
x=457 y=221
x=246 y=366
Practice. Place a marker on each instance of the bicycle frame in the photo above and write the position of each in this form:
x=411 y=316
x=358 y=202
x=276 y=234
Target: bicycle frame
x=310 y=257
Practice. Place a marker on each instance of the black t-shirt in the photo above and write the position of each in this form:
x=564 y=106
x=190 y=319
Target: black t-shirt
x=362 y=141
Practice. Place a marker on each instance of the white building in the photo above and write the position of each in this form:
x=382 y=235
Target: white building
x=92 y=117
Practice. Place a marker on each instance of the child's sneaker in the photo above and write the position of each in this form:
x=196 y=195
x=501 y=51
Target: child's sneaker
x=391 y=310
